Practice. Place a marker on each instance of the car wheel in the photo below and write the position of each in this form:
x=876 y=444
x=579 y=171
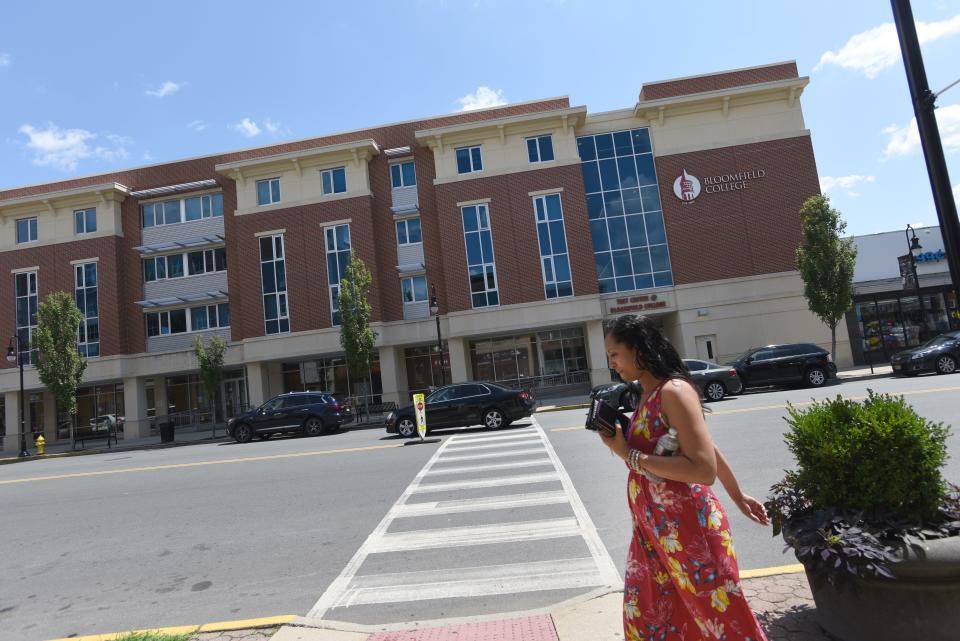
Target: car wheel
x=714 y=391
x=493 y=419
x=406 y=427
x=816 y=377
x=264 y=437
x=946 y=364
x=242 y=433
x=313 y=426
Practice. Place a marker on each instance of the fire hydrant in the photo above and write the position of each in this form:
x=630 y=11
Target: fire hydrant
x=41 y=444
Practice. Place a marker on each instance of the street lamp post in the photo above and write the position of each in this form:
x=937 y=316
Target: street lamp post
x=15 y=355
x=435 y=312
x=913 y=248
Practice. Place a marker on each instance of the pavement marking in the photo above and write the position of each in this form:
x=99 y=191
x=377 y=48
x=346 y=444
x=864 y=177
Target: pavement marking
x=504 y=502
x=596 y=571
x=176 y=466
x=772 y=571
x=491 y=466
x=459 y=440
x=490 y=580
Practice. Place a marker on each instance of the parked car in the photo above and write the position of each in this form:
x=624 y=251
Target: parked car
x=940 y=354
x=790 y=364
x=312 y=413
x=465 y=404
x=715 y=381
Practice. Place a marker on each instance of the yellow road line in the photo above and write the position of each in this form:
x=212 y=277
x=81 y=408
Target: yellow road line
x=222 y=626
x=780 y=569
x=174 y=466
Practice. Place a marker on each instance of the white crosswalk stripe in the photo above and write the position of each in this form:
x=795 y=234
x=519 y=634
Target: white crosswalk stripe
x=543 y=513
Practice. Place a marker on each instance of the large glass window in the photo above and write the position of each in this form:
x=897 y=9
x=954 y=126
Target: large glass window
x=540 y=149
x=338 y=259
x=469 y=160
x=171 y=212
x=273 y=280
x=268 y=191
x=172 y=266
x=85 y=221
x=408 y=231
x=403 y=174
x=25 y=289
x=424 y=368
x=623 y=204
x=26 y=230
x=85 y=288
x=544 y=359
x=481 y=267
x=334 y=181
x=552 y=238
x=414 y=289
x=190 y=319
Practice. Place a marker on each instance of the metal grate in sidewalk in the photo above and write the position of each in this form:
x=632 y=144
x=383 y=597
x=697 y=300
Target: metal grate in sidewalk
x=532 y=628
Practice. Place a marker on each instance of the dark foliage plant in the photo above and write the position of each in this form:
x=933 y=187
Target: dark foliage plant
x=868 y=483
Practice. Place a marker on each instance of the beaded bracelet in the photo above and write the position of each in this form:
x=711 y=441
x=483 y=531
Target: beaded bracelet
x=635 y=460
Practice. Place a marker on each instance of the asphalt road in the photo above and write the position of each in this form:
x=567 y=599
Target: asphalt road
x=222 y=531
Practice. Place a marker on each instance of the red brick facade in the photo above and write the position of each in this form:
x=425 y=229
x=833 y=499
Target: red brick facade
x=717 y=81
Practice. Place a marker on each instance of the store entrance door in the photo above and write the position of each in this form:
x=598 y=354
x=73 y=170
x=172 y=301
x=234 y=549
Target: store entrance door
x=234 y=397
x=707 y=347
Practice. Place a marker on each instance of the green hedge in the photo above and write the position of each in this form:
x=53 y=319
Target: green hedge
x=878 y=456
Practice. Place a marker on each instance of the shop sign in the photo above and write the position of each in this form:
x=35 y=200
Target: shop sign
x=931 y=257
x=638 y=303
x=687 y=187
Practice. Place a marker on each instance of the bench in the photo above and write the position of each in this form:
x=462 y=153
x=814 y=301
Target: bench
x=104 y=427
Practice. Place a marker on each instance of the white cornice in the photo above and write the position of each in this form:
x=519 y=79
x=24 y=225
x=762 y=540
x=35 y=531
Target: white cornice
x=357 y=149
x=102 y=193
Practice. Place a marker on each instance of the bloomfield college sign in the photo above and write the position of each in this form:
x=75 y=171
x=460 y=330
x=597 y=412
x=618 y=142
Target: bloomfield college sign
x=688 y=187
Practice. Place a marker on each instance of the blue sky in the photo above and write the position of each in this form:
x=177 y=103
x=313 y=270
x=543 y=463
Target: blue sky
x=90 y=87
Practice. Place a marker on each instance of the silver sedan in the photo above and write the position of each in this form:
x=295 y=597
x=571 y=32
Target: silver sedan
x=715 y=381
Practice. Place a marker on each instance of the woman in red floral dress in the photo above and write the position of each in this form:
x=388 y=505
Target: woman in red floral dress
x=682 y=580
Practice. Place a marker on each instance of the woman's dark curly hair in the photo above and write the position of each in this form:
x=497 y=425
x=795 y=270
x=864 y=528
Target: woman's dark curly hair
x=654 y=352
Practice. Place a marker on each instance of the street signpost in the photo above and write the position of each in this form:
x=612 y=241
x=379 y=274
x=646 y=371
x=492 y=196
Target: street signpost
x=421 y=411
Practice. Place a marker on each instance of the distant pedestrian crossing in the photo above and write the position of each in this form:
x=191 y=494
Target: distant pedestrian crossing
x=482 y=500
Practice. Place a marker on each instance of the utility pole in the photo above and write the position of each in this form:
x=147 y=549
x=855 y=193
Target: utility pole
x=924 y=108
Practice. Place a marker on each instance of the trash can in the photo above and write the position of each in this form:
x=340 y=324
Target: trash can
x=166 y=432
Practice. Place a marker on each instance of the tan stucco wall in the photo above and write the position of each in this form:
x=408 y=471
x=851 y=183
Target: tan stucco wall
x=57 y=226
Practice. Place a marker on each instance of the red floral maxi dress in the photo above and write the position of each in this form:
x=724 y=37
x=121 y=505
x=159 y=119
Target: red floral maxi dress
x=682 y=581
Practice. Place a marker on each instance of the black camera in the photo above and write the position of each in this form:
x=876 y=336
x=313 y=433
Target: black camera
x=603 y=417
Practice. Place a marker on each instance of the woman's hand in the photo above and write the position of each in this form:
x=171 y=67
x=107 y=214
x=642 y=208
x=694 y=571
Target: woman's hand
x=616 y=443
x=752 y=508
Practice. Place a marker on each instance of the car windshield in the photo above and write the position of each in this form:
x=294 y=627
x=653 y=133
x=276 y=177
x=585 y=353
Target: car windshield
x=938 y=340
x=745 y=355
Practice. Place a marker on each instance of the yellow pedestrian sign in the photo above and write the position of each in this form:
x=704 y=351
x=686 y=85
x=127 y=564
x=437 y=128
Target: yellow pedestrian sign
x=421 y=411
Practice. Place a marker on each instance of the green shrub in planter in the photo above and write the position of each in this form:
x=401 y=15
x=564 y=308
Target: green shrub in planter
x=868 y=479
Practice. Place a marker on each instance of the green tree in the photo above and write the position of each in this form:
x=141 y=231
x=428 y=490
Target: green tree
x=825 y=261
x=58 y=362
x=356 y=337
x=210 y=358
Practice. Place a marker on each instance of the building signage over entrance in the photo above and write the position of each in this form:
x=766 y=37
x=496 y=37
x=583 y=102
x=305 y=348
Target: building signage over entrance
x=638 y=303
x=687 y=186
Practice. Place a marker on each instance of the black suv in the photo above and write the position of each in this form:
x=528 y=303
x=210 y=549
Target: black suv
x=797 y=363
x=465 y=404
x=312 y=413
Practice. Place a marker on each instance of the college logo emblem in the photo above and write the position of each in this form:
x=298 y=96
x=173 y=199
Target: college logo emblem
x=686 y=187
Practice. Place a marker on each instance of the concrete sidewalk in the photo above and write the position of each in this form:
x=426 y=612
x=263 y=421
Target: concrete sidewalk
x=781 y=600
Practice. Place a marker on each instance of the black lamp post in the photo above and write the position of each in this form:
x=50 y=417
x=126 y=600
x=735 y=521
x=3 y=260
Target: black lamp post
x=15 y=355
x=914 y=249
x=435 y=311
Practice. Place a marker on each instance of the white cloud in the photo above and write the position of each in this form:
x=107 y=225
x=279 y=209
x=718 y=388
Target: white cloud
x=843 y=183
x=5 y=60
x=166 y=89
x=248 y=128
x=197 y=125
x=879 y=48
x=64 y=148
x=272 y=127
x=906 y=140
x=147 y=157
x=483 y=97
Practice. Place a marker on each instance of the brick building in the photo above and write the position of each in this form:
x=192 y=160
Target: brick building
x=533 y=221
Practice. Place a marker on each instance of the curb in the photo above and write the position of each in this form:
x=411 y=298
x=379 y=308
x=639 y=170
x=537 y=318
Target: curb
x=120 y=448
x=221 y=626
x=562 y=408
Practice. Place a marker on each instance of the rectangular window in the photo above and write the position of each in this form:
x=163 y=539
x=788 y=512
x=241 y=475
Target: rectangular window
x=552 y=238
x=192 y=319
x=334 y=181
x=414 y=289
x=26 y=230
x=469 y=160
x=273 y=282
x=338 y=259
x=25 y=290
x=85 y=221
x=85 y=289
x=481 y=266
x=540 y=149
x=268 y=191
x=403 y=174
x=205 y=261
x=408 y=232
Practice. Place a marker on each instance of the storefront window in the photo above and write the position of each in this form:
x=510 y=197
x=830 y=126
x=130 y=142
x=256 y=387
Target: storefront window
x=98 y=400
x=423 y=368
x=332 y=375
x=36 y=415
x=544 y=359
x=889 y=324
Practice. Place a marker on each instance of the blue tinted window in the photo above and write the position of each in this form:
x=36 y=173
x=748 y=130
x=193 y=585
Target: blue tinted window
x=175 y=266
x=643 y=281
x=475 y=156
x=327 y=181
x=659 y=258
x=171 y=212
x=663 y=279
x=604 y=265
x=608 y=174
x=194 y=211
x=641 y=141
x=469 y=218
x=628 y=172
x=474 y=255
x=533 y=154
x=409 y=175
x=198 y=318
x=645 y=171
x=607 y=286
x=396 y=179
x=636 y=232
x=621 y=263
x=655 y=232
x=486 y=246
x=598 y=231
x=558 y=236
x=591 y=177
x=618 y=233
x=631 y=201
x=343 y=237
x=554 y=211
x=339 y=180
x=561 y=265
x=613 y=203
x=546 y=148
x=217 y=201
x=604 y=146
x=586 y=148
x=641 y=260
x=275 y=190
x=463 y=161
x=651 y=198
x=595 y=206
x=621 y=143
x=543 y=236
x=413 y=229
x=146 y=216
x=402 y=232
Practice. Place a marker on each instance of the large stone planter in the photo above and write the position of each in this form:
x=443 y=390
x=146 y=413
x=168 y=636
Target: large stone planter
x=923 y=603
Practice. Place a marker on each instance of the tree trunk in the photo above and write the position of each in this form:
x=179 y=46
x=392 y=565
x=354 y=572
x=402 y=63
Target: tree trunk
x=833 y=341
